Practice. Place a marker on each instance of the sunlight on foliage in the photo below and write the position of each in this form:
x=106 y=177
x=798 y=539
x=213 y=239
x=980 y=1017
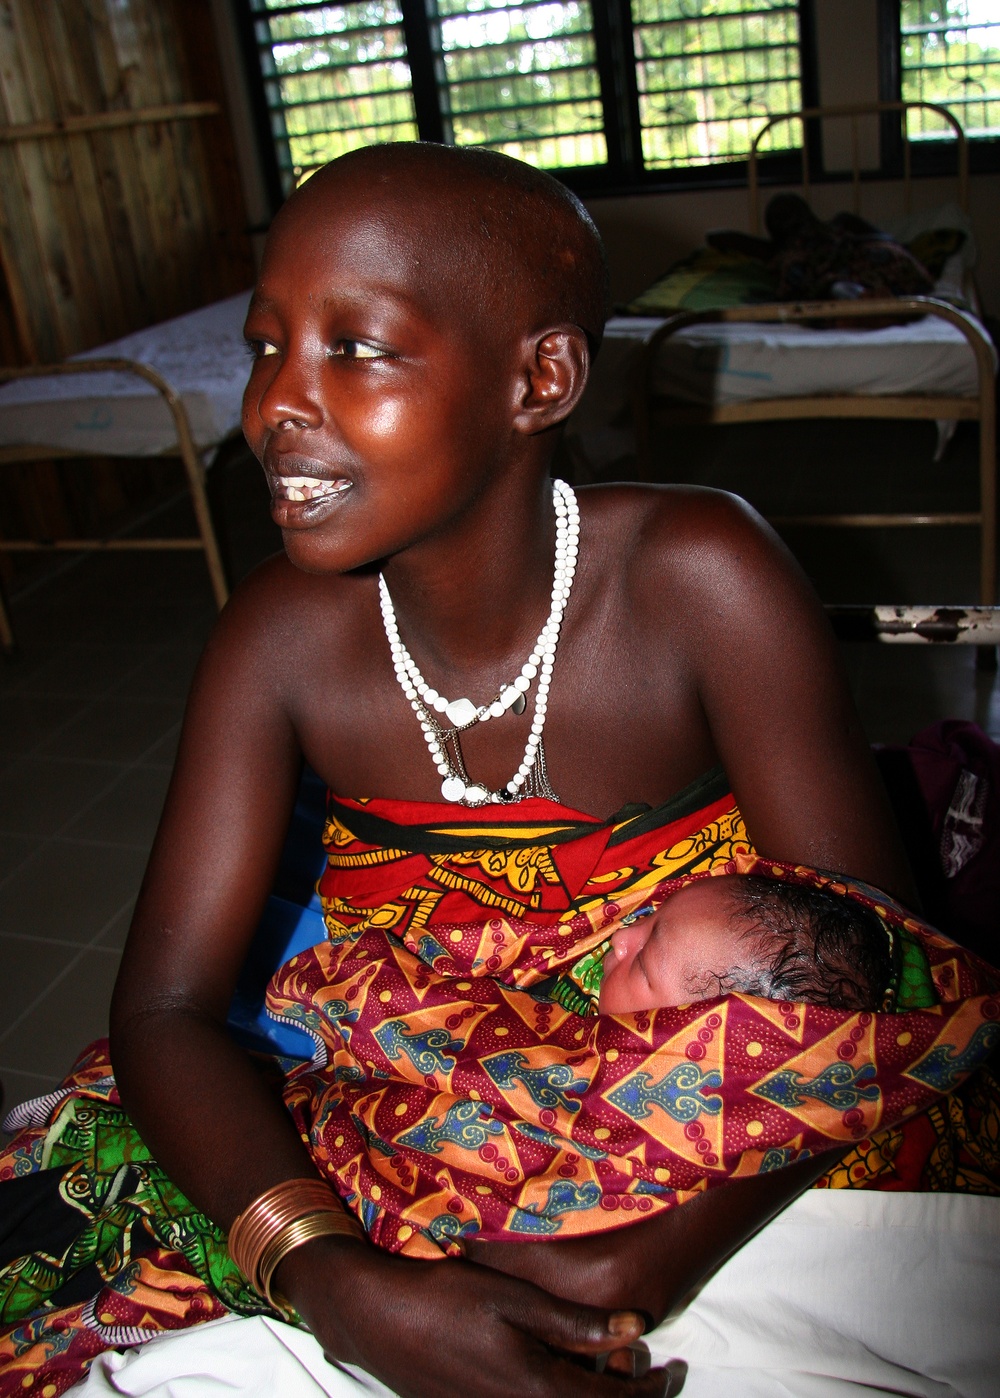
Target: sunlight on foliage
x=951 y=55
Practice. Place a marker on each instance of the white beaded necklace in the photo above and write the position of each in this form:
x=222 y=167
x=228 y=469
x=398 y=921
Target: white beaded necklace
x=531 y=777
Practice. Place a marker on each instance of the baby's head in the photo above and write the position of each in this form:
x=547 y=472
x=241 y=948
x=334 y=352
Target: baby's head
x=734 y=932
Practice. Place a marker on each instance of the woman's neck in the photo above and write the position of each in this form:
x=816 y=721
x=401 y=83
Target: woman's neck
x=477 y=595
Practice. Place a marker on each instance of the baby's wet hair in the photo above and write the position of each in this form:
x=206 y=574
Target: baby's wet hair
x=531 y=243
x=808 y=944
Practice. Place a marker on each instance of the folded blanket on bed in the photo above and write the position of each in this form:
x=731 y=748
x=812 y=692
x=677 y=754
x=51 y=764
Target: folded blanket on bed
x=457 y=1087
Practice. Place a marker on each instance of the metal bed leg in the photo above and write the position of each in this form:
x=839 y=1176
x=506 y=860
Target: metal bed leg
x=193 y=468
x=986 y=656
x=199 y=499
x=195 y=471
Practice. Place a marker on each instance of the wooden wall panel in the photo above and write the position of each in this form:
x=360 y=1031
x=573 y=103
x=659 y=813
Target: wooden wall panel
x=107 y=231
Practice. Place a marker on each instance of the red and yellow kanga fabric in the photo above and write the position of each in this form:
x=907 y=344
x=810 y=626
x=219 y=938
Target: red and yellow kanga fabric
x=458 y=1089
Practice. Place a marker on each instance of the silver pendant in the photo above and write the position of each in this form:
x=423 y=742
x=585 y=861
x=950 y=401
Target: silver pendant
x=519 y=705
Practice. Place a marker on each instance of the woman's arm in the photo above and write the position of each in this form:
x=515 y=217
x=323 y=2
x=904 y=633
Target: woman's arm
x=208 y=1116
x=652 y=1266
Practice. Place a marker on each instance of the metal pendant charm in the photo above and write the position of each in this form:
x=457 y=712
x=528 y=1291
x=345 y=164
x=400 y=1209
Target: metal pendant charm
x=518 y=705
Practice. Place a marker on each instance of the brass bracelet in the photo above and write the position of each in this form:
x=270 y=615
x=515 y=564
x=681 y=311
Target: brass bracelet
x=272 y=1212
x=303 y=1230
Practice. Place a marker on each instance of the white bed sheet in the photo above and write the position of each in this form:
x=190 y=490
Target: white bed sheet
x=201 y=355
x=735 y=363
x=848 y=1293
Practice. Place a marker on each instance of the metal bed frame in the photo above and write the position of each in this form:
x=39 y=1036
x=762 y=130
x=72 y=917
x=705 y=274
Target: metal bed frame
x=185 y=448
x=981 y=407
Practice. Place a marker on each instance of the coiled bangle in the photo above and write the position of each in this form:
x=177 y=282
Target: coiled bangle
x=282 y=1218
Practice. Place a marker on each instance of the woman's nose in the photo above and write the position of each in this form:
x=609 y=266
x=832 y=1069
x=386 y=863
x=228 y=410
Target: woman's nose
x=290 y=401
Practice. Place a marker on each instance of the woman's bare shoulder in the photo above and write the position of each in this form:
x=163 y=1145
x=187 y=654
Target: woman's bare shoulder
x=278 y=604
x=692 y=537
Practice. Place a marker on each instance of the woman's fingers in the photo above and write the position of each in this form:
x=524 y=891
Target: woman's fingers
x=564 y=1325
x=633 y=1361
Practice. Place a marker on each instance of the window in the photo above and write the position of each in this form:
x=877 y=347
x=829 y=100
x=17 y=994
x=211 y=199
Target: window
x=705 y=72
x=616 y=95
x=522 y=78
x=951 y=55
x=612 y=93
x=335 y=77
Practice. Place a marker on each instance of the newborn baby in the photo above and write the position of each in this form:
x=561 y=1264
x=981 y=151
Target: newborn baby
x=781 y=941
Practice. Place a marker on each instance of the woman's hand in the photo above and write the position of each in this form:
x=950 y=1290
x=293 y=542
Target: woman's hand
x=435 y=1329
x=650 y=1267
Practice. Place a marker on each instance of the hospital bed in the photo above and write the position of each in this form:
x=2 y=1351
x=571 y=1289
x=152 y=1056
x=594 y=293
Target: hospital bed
x=173 y=389
x=768 y=362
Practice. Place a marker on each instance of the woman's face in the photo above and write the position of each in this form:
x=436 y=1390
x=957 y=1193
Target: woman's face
x=376 y=406
x=673 y=956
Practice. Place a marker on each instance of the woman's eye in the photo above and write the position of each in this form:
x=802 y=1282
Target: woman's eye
x=357 y=349
x=260 y=349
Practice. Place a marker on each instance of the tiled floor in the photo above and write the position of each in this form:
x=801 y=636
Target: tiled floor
x=89 y=716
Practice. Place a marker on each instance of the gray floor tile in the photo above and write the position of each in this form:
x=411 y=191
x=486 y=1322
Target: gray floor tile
x=72 y=1013
x=70 y=891
x=165 y=752
x=27 y=969
x=26 y=720
x=79 y=671
x=128 y=812
x=33 y=654
x=116 y=931
x=39 y=795
x=14 y=850
x=165 y=673
x=114 y=729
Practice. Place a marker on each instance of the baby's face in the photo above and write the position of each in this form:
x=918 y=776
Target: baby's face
x=668 y=957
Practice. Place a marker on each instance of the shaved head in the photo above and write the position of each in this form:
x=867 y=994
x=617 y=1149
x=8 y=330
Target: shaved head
x=511 y=239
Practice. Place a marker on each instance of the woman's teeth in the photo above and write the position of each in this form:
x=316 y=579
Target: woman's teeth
x=310 y=487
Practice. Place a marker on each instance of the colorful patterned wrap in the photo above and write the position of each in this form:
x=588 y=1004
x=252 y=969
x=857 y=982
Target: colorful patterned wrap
x=461 y=1081
x=462 y=1084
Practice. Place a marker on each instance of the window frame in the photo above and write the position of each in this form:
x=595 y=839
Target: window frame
x=928 y=158
x=625 y=173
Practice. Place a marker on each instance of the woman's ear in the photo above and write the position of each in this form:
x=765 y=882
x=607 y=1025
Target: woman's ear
x=556 y=367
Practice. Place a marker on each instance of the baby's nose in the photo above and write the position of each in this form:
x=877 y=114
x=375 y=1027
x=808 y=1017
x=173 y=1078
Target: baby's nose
x=629 y=939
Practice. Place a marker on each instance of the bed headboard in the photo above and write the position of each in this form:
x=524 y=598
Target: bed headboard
x=855 y=113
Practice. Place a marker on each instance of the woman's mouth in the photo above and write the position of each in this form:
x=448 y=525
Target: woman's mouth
x=300 y=502
x=307 y=487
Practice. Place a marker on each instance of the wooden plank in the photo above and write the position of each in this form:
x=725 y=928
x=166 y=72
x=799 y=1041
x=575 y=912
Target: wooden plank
x=103 y=316
x=122 y=179
x=58 y=230
x=106 y=121
x=24 y=254
x=825 y=406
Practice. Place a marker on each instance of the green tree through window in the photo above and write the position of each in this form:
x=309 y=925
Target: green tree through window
x=951 y=55
x=534 y=78
x=614 y=94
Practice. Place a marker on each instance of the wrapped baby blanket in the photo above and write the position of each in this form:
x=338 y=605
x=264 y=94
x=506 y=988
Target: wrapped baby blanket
x=461 y=1082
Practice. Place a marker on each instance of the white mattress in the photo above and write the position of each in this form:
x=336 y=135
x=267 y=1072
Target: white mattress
x=847 y=1293
x=720 y=364
x=201 y=355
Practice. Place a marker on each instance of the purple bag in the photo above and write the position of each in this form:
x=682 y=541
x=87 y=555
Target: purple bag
x=945 y=792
